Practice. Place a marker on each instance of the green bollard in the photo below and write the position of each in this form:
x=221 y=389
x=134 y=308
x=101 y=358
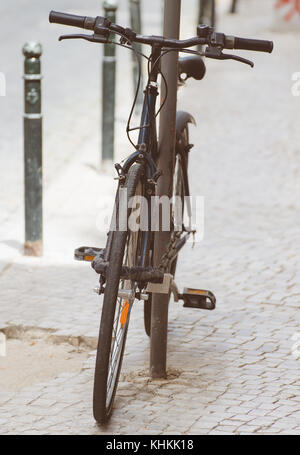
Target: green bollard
x=207 y=12
x=136 y=25
x=207 y=15
x=108 y=90
x=33 y=170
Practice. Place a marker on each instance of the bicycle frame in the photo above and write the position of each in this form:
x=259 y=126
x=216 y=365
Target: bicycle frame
x=147 y=152
x=148 y=135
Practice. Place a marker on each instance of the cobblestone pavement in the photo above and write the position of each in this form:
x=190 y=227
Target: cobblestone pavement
x=231 y=371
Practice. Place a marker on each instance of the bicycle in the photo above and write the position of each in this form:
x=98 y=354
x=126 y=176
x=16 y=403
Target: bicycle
x=125 y=265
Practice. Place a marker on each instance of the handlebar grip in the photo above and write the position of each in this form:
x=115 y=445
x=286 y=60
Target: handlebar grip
x=253 y=45
x=67 y=19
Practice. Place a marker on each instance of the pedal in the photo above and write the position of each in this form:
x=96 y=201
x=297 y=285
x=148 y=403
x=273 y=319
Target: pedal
x=86 y=253
x=198 y=298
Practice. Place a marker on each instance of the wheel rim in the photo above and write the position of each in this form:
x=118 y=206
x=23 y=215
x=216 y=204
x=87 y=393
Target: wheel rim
x=122 y=315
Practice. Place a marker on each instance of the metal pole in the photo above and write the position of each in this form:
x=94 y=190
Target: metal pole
x=136 y=25
x=233 y=6
x=167 y=130
x=108 y=90
x=33 y=170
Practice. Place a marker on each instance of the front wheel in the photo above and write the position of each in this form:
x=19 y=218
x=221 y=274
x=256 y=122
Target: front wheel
x=116 y=310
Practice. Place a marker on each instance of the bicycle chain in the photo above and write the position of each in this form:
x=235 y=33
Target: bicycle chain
x=165 y=261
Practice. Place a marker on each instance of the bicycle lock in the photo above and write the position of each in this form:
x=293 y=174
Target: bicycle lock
x=33 y=170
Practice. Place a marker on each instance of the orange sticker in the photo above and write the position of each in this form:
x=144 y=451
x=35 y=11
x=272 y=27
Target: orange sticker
x=196 y=291
x=89 y=258
x=124 y=314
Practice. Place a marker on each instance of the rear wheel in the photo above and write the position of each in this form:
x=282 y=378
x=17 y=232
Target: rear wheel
x=179 y=191
x=116 y=311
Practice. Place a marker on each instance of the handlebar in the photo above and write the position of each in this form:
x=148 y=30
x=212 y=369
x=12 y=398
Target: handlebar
x=253 y=45
x=67 y=19
x=206 y=35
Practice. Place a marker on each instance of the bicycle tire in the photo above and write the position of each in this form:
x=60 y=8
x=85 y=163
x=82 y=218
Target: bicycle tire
x=178 y=183
x=106 y=377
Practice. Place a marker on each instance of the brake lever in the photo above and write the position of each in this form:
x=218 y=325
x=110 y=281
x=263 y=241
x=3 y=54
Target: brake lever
x=91 y=38
x=237 y=58
x=216 y=53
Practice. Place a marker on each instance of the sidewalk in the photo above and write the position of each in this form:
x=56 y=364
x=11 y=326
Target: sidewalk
x=231 y=371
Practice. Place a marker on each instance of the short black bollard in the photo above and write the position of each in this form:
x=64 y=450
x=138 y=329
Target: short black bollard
x=233 y=7
x=206 y=15
x=207 y=12
x=33 y=171
x=108 y=90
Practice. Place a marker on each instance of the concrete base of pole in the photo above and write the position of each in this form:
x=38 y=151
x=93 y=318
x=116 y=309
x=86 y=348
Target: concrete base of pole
x=33 y=248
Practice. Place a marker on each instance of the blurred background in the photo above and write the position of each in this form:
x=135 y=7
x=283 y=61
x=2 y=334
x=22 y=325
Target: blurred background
x=246 y=157
x=72 y=86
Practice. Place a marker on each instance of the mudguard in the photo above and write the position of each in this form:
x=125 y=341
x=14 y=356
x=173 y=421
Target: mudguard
x=182 y=119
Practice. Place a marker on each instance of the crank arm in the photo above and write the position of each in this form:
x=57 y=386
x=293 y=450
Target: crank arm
x=91 y=38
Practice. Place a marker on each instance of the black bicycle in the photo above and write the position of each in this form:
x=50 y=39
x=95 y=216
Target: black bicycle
x=125 y=265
